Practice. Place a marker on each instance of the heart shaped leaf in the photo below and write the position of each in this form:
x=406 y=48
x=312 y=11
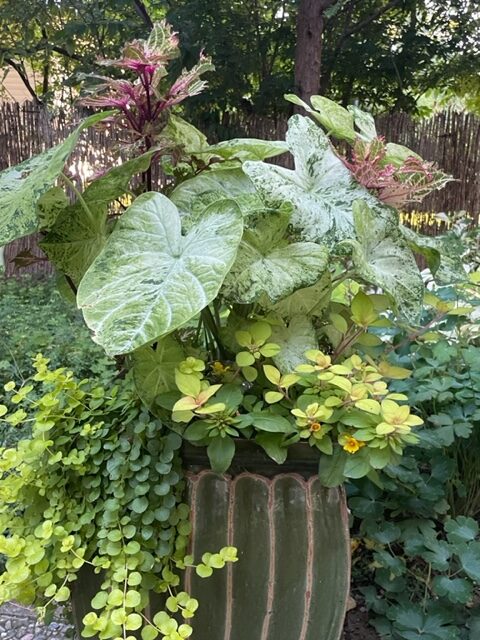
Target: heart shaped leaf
x=267 y=265
x=192 y=196
x=293 y=341
x=321 y=189
x=80 y=231
x=382 y=257
x=150 y=279
x=154 y=368
x=248 y=149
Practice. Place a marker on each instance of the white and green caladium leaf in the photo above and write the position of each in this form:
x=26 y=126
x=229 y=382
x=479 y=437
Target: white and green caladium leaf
x=364 y=122
x=248 y=149
x=268 y=265
x=195 y=142
x=320 y=189
x=150 y=279
x=154 y=368
x=50 y=205
x=180 y=131
x=333 y=117
x=396 y=154
x=21 y=186
x=309 y=301
x=382 y=257
x=444 y=255
x=80 y=231
x=192 y=196
x=293 y=340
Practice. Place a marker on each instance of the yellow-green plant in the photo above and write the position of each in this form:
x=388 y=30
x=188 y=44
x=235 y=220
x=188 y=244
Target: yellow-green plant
x=98 y=482
x=343 y=409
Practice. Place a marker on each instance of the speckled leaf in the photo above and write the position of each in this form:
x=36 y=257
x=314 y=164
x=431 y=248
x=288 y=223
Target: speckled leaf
x=309 y=301
x=149 y=279
x=248 y=149
x=77 y=238
x=443 y=255
x=50 y=205
x=397 y=154
x=382 y=257
x=21 y=186
x=182 y=132
x=294 y=340
x=335 y=118
x=154 y=368
x=364 y=122
x=192 y=196
x=267 y=264
x=321 y=189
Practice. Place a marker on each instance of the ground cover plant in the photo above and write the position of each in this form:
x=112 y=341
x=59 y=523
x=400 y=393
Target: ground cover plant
x=418 y=530
x=238 y=303
x=36 y=318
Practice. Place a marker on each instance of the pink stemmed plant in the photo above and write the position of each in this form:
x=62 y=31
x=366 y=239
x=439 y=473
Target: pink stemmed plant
x=394 y=184
x=143 y=102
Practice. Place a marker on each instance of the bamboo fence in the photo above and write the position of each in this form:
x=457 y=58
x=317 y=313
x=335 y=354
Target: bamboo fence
x=450 y=139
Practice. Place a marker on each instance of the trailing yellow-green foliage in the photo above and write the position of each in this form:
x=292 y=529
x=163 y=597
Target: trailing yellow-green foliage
x=98 y=482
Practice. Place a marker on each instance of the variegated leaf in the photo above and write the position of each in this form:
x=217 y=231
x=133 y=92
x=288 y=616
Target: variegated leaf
x=80 y=231
x=150 y=279
x=309 y=301
x=444 y=255
x=268 y=265
x=364 y=122
x=21 y=186
x=248 y=149
x=294 y=339
x=154 y=368
x=192 y=196
x=321 y=189
x=381 y=256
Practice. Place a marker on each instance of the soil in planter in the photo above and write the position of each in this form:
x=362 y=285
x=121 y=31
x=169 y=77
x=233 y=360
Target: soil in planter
x=357 y=627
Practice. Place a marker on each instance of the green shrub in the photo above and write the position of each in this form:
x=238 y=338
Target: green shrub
x=35 y=318
x=419 y=563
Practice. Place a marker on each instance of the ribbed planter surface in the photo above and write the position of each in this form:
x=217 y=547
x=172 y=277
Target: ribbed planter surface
x=292 y=578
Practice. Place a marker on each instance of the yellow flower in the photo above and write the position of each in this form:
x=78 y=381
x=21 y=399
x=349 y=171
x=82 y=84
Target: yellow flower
x=315 y=426
x=351 y=444
x=219 y=369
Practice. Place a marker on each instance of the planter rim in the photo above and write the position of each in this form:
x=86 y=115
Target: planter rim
x=251 y=458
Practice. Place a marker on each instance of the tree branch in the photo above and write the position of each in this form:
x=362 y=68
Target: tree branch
x=143 y=13
x=351 y=30
x=373 y=16
x=20 y=69
x=64 y=52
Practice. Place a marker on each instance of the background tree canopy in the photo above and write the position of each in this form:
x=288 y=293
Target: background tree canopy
x=385 y=54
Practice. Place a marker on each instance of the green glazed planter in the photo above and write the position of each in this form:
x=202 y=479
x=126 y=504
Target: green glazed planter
x=291 y=581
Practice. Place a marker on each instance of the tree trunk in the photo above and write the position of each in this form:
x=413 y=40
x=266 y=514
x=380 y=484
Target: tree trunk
x=308 y=52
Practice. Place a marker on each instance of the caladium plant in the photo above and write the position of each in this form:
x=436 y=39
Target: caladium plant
x=231 y=241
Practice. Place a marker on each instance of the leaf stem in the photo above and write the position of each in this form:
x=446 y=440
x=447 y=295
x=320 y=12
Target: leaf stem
x=80 y=198
x=210 y=324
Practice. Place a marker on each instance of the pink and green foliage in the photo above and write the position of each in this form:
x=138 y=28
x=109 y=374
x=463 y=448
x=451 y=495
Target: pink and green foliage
x=144 y=100
x=395 y=184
